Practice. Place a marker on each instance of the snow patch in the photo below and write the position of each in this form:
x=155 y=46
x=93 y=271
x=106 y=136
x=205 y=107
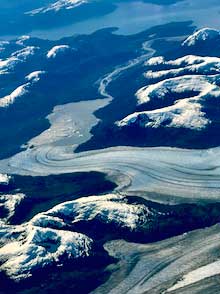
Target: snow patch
x=155 y=61
x=10 y=202
x=17 y=93
x=3 y=45
x=24 y=53
x=22 y=39
x=35 y=76
x=52 y=53
x=4 y=179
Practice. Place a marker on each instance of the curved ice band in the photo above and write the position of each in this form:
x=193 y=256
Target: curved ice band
x=191 y=174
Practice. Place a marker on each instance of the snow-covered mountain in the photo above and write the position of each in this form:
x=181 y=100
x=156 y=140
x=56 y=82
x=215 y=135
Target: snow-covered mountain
x=202 y=35
x=184 y=88
x=49 y=237
x=38 y=247
x=58 y=5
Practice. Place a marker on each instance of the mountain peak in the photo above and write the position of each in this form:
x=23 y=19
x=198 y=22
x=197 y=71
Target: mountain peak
x=201 y=35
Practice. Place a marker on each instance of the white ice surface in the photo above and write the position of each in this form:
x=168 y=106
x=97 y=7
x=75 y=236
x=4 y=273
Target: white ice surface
x=199 y=274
